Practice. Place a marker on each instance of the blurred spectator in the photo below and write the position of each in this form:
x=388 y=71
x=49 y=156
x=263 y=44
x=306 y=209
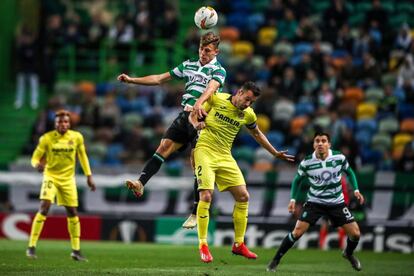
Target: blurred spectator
x=404 y=39
x=344 y=39
x=377 y=17
x=52 y=41
x=406 y=163
x=274 y=12
x=406 y=72
x=289 y=86
x=307 y=31
x=97 y=31
x=369 y=72
x=168 y=28
x=288 y=25
x=333 y=19
x=144 y=33
x=348 y=146
x=27 y=67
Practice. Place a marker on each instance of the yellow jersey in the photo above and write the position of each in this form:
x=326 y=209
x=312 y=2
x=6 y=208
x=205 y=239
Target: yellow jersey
x=60 y=152
x=223 y=122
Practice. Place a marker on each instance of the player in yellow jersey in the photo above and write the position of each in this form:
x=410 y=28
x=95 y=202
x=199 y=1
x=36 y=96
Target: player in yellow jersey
x=55 y=156
x=215 y=164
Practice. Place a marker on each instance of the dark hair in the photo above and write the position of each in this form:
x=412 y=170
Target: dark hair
x=210 y=38
x=321 y=133
x=249 y=85
x=62 y=113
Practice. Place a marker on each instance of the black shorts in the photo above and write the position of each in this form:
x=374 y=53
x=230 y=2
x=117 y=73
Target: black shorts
x=338 y=214
x=182 y=131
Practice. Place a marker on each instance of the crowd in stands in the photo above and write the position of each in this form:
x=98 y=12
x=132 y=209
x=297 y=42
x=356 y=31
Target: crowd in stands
x=345 y=67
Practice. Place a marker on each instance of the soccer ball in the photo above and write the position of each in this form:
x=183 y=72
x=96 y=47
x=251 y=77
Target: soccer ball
x=205 y=18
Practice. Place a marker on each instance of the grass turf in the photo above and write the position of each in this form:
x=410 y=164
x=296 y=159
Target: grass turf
x=112 y=258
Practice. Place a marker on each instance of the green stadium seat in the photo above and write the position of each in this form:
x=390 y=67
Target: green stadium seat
x=388 y=125
x=131 y=119
x=374 y=95
x=381 y=142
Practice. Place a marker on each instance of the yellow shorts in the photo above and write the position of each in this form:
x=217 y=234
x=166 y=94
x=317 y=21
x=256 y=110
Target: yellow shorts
x=65 y=191
x=211 y=167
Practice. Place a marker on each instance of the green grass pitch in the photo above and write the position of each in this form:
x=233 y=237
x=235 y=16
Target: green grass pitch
x=111 y=258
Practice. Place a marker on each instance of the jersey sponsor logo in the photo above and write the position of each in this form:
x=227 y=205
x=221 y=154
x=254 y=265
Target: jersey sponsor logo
x=226 y=119
x=58 y=150
x=198 y=79
x=325 y=176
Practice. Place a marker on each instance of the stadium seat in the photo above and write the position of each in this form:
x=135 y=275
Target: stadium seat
x=87 y=133
x=97 y=150
x=374 y=95
x=366 y=111
x=304 y=108
x=326 y=48
x=283 y=110
x=243 y=154
x=388 y=125
x=266 y=36
x=302 y=48
x=354 y=94
x=363 y=137
x=381 y=142
x=276 y=138
x=407 y=125
x=86 y=87
x=231 y=34
x=254 y=21
x=283 y=48
x=263 y=122
x=397 y=153
x=129 y=120
x=405 y=110
x=400 y=140
x=297 y=124
x=322 y=121
x=370 y=156
x=368 y=125
x=243 y=49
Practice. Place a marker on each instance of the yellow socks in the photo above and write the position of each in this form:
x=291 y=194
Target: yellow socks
x=74 y=232
x=203 y=217
x=240 y=213
x=37 y=226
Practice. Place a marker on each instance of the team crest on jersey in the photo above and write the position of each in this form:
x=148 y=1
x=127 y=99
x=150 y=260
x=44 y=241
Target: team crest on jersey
x=70 y=143
x=199 y=181
x=240 y=115
x=305 y=214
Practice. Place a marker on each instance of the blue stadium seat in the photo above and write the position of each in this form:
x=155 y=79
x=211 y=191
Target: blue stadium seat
x=276 y=138
x=302 y=48
x=367 y=124
x=304 y=108
x=405 y=111
x=363 y=137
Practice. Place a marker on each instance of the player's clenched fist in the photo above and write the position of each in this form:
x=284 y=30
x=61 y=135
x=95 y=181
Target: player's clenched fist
x=124 y=78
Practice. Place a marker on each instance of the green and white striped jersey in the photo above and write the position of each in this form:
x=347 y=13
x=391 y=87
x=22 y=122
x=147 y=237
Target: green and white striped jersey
x=324 y=177
x=197 y=78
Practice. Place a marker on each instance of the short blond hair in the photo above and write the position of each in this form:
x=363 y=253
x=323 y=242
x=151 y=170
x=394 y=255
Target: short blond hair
x=210 y=38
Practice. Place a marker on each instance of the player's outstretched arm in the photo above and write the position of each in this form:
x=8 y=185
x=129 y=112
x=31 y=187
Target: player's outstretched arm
x=147 y=80
x=264 y=142
x=352 y=179
x=212 y=87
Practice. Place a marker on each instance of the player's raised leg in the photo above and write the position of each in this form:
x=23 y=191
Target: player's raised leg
x=164 y=150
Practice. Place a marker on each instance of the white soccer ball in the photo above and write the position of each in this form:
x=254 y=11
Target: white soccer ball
x=205 y=18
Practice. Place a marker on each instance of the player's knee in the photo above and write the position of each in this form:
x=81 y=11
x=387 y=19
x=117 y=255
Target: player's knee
x=71 y=212
x=44 y=208
x=244 y=197
x=206 y=196
x=355 y=233
x=297 y=233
